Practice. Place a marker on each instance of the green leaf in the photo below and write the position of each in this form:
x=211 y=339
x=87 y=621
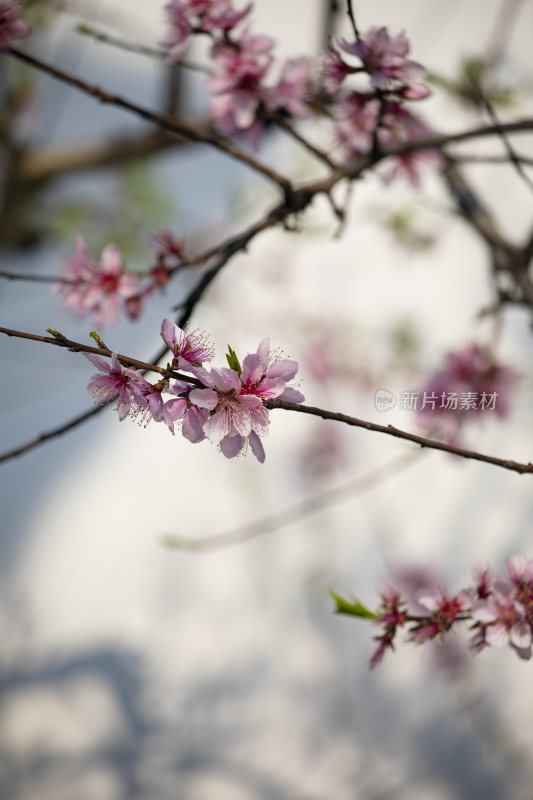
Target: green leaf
x=233 y=361
x=354 y=609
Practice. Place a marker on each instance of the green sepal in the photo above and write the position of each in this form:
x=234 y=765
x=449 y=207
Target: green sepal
x=56 y=335
x=98 y=339
x=233 y=361
x=353 y=609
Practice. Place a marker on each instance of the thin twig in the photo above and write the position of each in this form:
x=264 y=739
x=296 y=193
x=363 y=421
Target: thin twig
x=492 y=159
x=79 y=347
x=286 y=126
x=172 y=124
x=513 y=157
x=390 y=430
x=135 y=47
x=53 y=433
x=295 y=513
x=25 y=276
x=351 y=15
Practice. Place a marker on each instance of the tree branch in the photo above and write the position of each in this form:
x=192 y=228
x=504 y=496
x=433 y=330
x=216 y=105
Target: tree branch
x=390 y=430
x=295 y=513
x=172 y=124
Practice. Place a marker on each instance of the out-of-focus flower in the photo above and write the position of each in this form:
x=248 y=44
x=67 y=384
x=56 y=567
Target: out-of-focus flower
x=237 y=85
x=291 y=91
x=357 y=118
x=470 y=384
x=385 y=59
x=335 y=70
x=97 y=289
x=186 y=17
x=11 y=25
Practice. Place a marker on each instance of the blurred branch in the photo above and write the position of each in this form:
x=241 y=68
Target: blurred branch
x=43 y=163
x=172 y=124
x=135 y=47
x=351 y=17
x=295 y=513
x=513 y=158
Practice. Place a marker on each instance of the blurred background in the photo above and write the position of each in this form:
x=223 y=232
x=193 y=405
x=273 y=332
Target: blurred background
x=131 y=669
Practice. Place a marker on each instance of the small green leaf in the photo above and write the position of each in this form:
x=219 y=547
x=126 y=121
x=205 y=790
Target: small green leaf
x=56 y=335
x=355 y=609
x=98 y=339
x=233 y=361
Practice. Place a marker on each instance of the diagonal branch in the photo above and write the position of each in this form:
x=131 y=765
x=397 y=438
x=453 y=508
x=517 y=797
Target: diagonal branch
x=295 y=513
x=172 y=124
x=390 y=430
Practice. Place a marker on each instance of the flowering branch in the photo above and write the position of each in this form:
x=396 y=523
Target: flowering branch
x=222 y=391
x=499 y=608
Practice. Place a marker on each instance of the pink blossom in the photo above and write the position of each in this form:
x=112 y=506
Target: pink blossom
x=357 y=118
x=470 y=384
x=97 y=289
x=149 y=402
x=335 y=70
x=503 y=620
x=231 y=411
x=189 y=349
x=186 y=17
x=520 y=571
x=116 y=380
x=392 y=617
x=385 y=59
x=237 y=86
x=398 y=126
x=292 y=88
x=444 y=610
x=167 y=244
x=266 y=377
x=182 y=409
x=11 y=25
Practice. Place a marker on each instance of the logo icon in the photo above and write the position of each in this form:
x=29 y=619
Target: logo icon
x=385 y=400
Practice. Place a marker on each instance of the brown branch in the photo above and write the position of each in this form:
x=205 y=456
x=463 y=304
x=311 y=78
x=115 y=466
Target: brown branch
x=77 y=347
x=172 y=124
x=26 y=276
x=52 y=433
x=295 y=513
x=351 y=17
x=43 y=163
x=513 y=157
x=390 y=430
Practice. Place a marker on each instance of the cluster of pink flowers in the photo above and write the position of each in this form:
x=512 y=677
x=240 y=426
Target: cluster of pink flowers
x=374 y=115
x=224 y=405
x=474 y=371
x=241 y=99
x=104 y=289
x=498 y=609
x=11 y=25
